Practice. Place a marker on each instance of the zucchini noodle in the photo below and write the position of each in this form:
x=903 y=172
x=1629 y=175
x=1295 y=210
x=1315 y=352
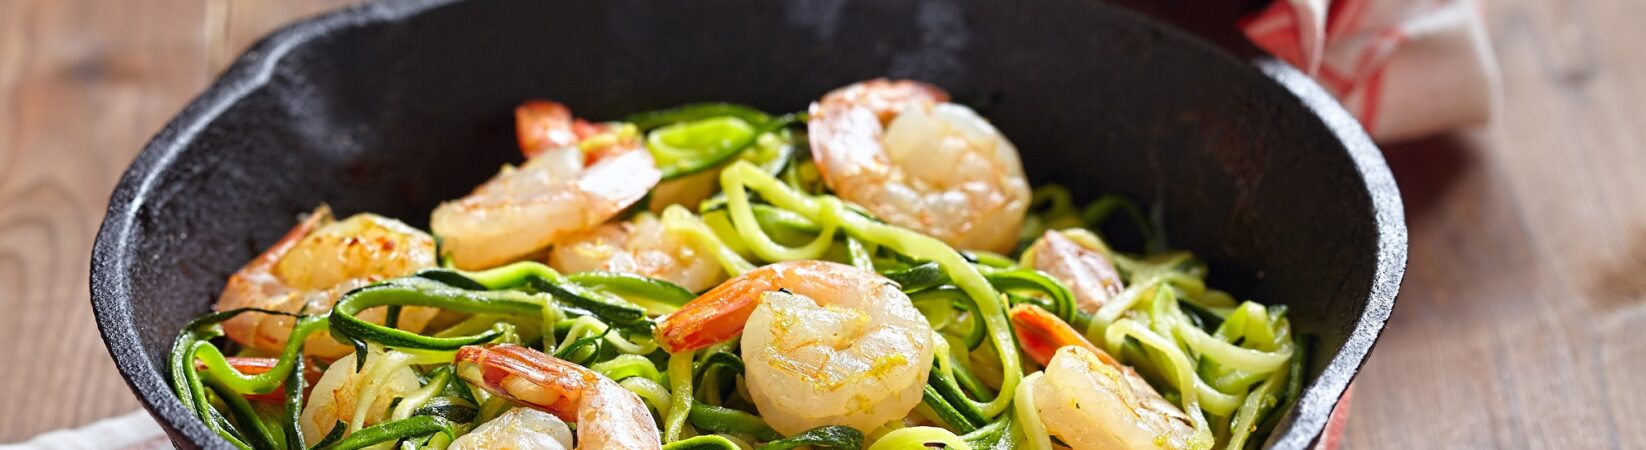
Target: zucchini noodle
x=377 y=368
x=625 y=366
x=1035 y=436
x=1118 y=305
x=1230 y=355
x=588 y=326
x=680 y=404
x=761 y=244
x=678 y=220
x=919 y=437
x=418 y=398
x=654 y=394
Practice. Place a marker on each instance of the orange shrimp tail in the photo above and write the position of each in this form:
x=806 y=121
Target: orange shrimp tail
x=1040 y=334
x=715 y=316
x=492 y=366
x=541 y=125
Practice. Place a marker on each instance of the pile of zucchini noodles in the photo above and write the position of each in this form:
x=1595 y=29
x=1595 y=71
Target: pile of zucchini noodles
x=1231 y=365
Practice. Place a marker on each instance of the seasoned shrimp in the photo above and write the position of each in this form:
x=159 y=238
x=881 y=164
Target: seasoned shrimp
x=823 y=343
x=563 y=189
x=607 y=415
x=1088 y=399
x=317 y=261
x=341 y=391
x=899 y=149
x=518 y=429
x=1088 y=274
x=640 y=246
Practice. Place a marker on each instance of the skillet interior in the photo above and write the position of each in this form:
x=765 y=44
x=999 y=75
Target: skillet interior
x=393 y=107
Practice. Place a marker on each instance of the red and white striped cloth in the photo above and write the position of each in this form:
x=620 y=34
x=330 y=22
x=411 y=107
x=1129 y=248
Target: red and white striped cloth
x=1405 y=68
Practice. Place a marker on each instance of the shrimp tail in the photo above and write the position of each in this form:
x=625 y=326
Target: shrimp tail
x=714 y=317
x=1041 y=334
x=526 y=376
x=540 y=125
x=607 y=415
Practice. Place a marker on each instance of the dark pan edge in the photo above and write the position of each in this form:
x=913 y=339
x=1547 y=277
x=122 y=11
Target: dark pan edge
x=1307 y=419
x=109 y=282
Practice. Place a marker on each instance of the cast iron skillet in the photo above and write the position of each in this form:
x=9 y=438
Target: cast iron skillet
x=393 y=107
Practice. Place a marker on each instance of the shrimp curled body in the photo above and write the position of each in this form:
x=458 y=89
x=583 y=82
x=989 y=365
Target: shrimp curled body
x=899 y=149
x=1089 y=275
x=824 y=343
x=608 y=417
x=518 y=429
x=558 y=192
x=1092 y=404
x=1090 y=400
x=317 y=261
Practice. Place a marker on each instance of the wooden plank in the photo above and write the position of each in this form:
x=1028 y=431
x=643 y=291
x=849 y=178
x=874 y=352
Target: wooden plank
x=85 y=82
x=1519 y=323
x=231 y=26
x=83 y=85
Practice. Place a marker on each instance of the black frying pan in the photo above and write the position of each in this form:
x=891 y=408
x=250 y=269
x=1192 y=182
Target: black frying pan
x=393 y=107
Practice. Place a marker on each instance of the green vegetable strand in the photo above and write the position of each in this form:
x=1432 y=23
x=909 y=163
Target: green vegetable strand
x=680 y=386
x=393 y=431
x=727 y=420
x=828 y=436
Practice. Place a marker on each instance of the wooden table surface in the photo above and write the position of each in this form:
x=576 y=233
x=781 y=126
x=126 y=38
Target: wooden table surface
x=1520 y=323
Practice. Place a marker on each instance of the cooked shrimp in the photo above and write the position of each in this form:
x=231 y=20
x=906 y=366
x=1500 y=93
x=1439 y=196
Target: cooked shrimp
x=1090 y=275
x=607 y=415
x=557 y=193
x=824 y=343
x=317 y=261
x=338 y=395
x=899 y=149
x=1088 y=399
x=639 y=246
x=518 y=429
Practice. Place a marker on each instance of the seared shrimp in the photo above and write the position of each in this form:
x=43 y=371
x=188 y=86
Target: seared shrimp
x=1088 y=399
x=518 y=429
x=1090 y=275
x=317 y=261
x=640 y=246
x=563 y=189
x=824 y=343
x=607 y=415
x=899 y=149
x=341 y=391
